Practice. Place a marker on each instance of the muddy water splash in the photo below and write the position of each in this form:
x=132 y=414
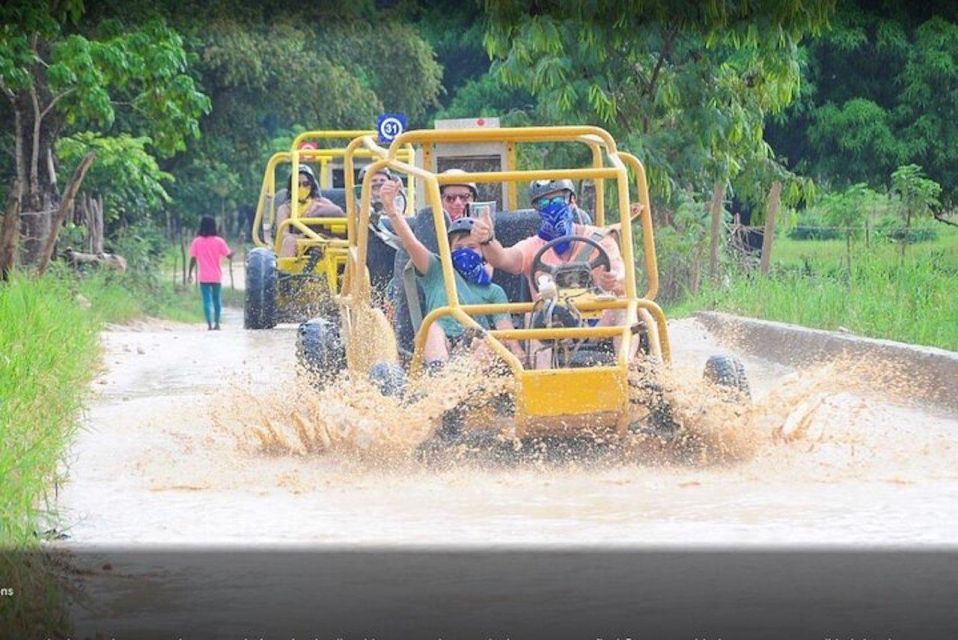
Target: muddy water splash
x=829 y=455
x=349 y=417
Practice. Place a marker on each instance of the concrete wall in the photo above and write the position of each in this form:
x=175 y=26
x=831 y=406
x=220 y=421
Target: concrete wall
x=934 y=371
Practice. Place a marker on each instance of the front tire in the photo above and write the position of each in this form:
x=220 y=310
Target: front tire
x=261 y=278
x=728 y=372
x=320 y=349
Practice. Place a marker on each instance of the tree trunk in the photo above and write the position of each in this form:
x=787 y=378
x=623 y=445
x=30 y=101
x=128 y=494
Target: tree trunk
x=39 y=198
x=771 y=210
x=98 y=220
x=9 y=231
x=37 y=125
x=718 y=195
x=61 y=214
x=183 y=254
x=86 y=219
x=939 y=218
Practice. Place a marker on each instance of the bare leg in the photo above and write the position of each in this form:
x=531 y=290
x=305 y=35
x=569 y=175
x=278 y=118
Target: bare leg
x=437 y=347
x=288 y=248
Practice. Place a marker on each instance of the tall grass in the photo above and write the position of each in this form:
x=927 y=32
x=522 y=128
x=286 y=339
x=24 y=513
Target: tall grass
x=884 y=295
x=48 y=346
x=48 y=349
x=48 y=353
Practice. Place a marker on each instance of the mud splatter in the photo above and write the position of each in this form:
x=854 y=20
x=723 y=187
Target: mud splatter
x=351 y=418
x=837 y=453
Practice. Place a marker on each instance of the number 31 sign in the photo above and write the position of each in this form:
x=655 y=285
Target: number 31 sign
x=389 y=126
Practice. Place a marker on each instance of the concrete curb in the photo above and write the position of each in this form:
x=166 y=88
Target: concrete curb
x=797 y=346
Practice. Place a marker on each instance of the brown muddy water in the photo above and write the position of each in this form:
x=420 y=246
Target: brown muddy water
x=198 y=438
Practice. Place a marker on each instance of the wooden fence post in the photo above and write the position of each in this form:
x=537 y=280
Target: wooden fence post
x=718 y=195
x=771 y=210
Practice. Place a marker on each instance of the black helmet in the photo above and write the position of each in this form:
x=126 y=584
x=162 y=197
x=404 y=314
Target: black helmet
x=469 y=185
x=538 y=188
x=383 y=170
x=462 y=225
x=305 y=169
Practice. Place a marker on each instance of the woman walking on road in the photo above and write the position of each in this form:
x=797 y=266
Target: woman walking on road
x=208 y=249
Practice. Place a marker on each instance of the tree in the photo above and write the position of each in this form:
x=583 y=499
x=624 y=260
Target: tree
x=125 y=175
x=849 y=210
x=488 y=96
x=125 y=187
x=454 y=30
x=882 y=84
x=919 y=195
x=56 y=81
x=267 y=78
x=686 y=87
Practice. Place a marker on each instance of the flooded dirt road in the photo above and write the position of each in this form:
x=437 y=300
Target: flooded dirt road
x=166 y=457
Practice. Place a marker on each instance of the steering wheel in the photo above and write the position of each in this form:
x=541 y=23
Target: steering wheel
x=572 y=269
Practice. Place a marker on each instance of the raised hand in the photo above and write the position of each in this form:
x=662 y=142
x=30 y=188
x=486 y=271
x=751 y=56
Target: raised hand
x=387 y=194
x=482 y=228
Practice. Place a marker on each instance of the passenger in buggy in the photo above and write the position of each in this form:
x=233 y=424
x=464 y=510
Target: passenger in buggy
x=309 y=203
x=473 y=281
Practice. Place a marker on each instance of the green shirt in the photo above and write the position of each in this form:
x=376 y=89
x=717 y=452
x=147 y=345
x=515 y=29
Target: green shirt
x=469 y=293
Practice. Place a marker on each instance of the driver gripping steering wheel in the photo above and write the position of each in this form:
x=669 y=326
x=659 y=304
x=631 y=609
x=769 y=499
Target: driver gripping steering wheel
x=562 y=250
x=568 y=242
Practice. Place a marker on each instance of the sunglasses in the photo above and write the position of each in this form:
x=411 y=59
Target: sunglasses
x=452 y=197
x=542 y=203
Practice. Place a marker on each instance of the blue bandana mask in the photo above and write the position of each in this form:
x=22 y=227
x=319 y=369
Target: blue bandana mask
x=468 y=262
x=556 y=222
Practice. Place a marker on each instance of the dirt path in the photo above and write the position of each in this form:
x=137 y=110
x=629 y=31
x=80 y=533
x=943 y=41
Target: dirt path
x=163 y=467
x=153 y=464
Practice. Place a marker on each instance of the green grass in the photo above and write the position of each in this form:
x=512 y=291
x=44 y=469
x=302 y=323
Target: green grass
x=911 y=299
x=48 y=346
x=48 y=351
x=48 y=355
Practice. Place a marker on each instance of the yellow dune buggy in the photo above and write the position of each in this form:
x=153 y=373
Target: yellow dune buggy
x=586 y=386
x=296 y=287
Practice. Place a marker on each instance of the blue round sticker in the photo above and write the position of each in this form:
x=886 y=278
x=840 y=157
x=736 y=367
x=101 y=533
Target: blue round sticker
x=390 y=125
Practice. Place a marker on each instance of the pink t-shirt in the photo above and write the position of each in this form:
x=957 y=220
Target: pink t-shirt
x=208 y=251
x=530 y=247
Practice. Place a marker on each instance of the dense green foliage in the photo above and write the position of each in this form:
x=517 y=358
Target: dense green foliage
x=685 y=87
x=125 y=174
x=183 y=103
x=881 y=87
x=850 y=91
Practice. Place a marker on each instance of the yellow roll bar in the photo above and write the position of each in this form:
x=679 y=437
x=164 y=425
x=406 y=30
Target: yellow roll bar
x=603 y=149
x=265 y=207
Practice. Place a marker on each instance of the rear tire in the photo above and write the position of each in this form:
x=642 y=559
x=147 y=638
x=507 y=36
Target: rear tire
x=261 y=277
x=729 y=372
x=320 y=349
